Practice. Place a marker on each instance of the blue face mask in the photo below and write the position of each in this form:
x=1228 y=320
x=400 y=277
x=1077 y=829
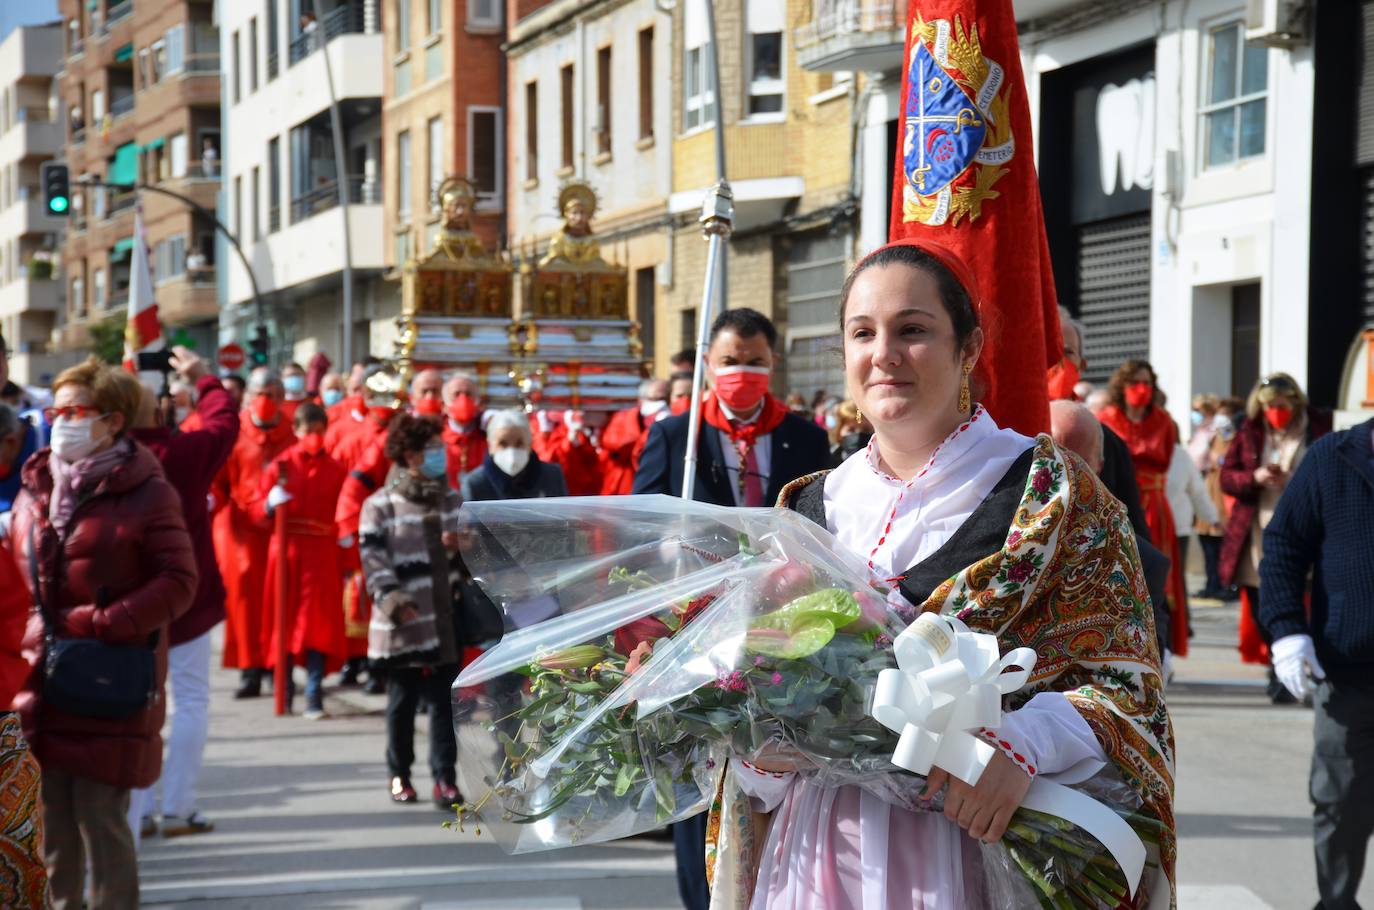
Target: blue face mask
x=435 y=464
x=1196 y=418
x=331 y=397
x=294 y=385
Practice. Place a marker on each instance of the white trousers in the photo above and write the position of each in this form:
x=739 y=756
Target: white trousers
x=188 y=678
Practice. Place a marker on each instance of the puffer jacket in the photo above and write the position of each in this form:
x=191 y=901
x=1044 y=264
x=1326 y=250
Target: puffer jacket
x=121 y=573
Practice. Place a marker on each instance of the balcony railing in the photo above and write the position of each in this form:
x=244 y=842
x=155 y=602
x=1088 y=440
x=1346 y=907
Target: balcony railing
x=202 y=64
x=326 y=196
x=121 y=106
x=34 y=115
x=199 y=170
x=78 y=47
x=116 y=301
x=272 y=65
x=78 y=135
x=120 y=203
x=845 y=17
x=274 y=219
x=118 y=11
x=341 y=20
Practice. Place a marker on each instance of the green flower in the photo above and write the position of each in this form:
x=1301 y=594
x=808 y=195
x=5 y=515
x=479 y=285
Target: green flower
x=804 y=626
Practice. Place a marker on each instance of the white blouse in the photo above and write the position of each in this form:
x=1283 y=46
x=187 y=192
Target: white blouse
x=845 y=848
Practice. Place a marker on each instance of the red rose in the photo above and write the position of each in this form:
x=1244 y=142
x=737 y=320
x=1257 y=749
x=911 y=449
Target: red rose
x=1041 y=482
x=1020 y=571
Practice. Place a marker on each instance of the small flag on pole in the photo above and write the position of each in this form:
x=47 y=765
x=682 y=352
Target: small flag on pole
x=966 y=178
x=144 y=332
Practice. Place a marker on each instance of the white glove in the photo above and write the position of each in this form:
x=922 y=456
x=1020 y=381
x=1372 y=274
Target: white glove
x=1168 y=667
x=1294 y=657
x=276 y=496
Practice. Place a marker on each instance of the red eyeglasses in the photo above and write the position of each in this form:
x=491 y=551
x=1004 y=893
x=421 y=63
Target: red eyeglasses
x=71 y=412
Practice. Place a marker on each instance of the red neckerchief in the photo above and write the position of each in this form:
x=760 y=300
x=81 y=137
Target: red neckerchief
x=745 y=433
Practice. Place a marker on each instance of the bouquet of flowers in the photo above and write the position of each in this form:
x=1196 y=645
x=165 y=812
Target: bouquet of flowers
x=652 y=639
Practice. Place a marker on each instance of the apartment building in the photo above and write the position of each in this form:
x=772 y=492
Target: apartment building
x=140 y=94
x=444 y=116
x=790 y=161
x=590 y=99
x=285 y=186
x=30 y=289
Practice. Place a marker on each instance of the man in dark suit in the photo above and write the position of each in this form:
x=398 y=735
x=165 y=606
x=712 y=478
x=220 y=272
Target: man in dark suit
x=743 y=425
x=750 y=447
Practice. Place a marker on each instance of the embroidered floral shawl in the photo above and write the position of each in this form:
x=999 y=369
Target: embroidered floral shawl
x=1066 y=582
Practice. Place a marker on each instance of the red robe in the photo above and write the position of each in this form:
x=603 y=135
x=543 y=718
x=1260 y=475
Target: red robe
x=1152 y=442
x=466 y=451
x=341 y=429
x=338 y=412
x=314 y=559
x=365 y=465
x=577 y=456
x=621 y=443
x=242 y=541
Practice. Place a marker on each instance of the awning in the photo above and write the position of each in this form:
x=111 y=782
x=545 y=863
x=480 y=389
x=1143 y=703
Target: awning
x=155 y=144
x=124 y=167
x=124 y=53
x=92 y=4
x=122 y=248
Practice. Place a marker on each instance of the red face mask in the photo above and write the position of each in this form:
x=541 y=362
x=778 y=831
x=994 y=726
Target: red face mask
x=1063 y=376
x=741 y=388
x=265 y=409
x=681 y=405
x=1139 y=394
x=313 y=443
x=429 y=407
x=462 y=408
x=1278 y=418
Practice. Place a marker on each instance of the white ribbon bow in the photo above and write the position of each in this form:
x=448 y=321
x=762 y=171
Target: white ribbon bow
x=950 y=684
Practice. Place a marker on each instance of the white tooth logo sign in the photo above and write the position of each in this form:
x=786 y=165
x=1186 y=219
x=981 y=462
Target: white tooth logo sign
x=1126 y=135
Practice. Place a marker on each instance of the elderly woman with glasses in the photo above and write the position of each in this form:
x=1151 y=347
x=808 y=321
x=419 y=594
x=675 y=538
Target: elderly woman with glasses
x=101 y=541
x=1270 y=444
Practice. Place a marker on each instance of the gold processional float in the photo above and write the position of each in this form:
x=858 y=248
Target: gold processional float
x=569 y=344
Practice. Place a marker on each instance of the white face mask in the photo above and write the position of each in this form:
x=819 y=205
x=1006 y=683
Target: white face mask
x=72 y=438
x=650 y=408
x=512 y=461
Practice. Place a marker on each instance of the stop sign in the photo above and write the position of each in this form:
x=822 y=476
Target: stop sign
x=231 y=357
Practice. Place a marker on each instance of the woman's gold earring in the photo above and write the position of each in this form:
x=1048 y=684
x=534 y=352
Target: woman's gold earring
x=859 y=415
x=965 y=399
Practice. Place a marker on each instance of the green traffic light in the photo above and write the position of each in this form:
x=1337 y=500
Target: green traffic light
x=58 y=204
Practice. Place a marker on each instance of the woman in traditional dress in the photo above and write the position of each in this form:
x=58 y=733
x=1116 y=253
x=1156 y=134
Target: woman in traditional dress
x=1137 y=416
x=1012 y=535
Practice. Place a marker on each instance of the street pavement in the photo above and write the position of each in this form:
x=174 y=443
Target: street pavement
x=303 y=819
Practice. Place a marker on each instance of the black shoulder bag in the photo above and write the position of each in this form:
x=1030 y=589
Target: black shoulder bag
x=86 y=677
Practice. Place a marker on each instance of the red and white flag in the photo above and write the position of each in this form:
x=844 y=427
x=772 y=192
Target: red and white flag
x=966 y=179
x=144 y=331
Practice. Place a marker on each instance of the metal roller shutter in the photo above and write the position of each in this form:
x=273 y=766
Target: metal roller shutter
x=815 y=274
x=1114 y=292
x=1367 y=226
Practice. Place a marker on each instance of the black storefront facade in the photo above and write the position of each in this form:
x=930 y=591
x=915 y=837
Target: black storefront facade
x=1096 y=178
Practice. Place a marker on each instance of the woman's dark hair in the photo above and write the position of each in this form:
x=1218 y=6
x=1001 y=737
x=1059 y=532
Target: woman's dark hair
x=745 y=323
x=408 y=434
x=1124 y=376
x=953 y=295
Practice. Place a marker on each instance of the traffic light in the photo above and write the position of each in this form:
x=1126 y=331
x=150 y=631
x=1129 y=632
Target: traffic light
x=258 y=345
x=57 y=190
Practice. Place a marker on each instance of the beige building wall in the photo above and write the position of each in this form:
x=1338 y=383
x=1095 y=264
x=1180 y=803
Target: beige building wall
x=791 y=172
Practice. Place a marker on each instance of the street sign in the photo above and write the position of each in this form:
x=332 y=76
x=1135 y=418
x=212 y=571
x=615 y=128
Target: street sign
x=231 y=357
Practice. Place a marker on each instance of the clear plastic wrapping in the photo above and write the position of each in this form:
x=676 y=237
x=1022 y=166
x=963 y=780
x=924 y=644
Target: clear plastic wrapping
x=649 y=639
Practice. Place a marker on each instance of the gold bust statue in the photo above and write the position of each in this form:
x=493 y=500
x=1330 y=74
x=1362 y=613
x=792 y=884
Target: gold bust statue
x=574 y=242
x=457 y=197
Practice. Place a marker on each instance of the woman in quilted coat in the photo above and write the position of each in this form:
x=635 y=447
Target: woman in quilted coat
x=101 y=542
